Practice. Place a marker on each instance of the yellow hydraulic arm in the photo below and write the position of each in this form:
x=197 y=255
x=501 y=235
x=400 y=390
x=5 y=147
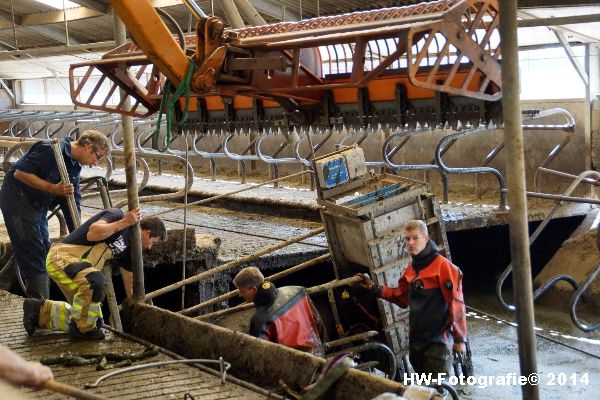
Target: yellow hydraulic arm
x=153 y=37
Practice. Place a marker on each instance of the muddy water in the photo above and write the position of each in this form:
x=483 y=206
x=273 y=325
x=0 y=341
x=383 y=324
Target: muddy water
x=565 y=373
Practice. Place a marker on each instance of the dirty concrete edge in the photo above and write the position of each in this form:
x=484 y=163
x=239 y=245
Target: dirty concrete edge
x=250 y=356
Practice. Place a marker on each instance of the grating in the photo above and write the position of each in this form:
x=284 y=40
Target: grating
x=168 y=382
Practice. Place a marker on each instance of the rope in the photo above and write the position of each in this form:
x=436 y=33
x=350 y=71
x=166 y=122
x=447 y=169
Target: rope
x=169 y=99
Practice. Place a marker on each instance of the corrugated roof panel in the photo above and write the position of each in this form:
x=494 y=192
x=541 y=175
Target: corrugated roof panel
x=26 y=38
x=97 y=29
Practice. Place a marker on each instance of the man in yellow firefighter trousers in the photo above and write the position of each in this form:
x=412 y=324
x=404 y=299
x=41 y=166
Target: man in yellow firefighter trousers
x=75 y=265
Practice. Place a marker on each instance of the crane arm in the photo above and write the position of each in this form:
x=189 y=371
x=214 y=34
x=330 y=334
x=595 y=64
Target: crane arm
x=153 y=37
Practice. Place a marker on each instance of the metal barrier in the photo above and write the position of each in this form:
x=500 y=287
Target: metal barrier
x=575 y=299
x=469 y=170
x=314 y=149
x=405 y=136
x=210 y=155
x=362 y=134
x=241 y=157
x=272 y=160
x=529 y=115
x=566 y=278
x=163 y=157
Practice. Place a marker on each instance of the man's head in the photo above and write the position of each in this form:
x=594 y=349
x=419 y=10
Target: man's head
x=153 y=231
x=91 y=147
x=415 y=236
x=248 y=281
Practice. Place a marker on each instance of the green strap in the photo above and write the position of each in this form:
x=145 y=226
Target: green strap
x=167 y=105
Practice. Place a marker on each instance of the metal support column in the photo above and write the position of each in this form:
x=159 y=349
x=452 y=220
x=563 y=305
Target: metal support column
x=515 y=169
x=594 y=75
x=64 y=177
x=583 y=72
x=249 y=13
x=135 y=239
x=232 y=14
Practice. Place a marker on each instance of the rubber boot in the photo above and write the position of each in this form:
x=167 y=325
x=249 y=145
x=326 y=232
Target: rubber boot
x=94 y=334
x=37 y=287
x=31 y=314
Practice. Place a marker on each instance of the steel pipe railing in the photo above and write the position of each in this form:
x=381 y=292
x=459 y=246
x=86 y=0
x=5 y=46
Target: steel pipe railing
x=242 y=157
x=162 y=157
x=232 y=264
x=314 y=148
x=566 y=278
x=271 y=278
x=568 y=127
x=470 y=170
x=575 y=299
x=272 y=160
x=211 y=156
x=362 y=135
x=405 y=136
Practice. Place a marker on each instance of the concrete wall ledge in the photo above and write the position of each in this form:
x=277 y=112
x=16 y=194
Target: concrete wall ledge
x=260 y=362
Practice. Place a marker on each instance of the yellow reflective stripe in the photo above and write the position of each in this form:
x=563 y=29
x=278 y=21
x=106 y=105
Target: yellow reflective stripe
x=77 y=306
x=67 y=318
x=55 y=316
x=61 y=316
x=94 y=312
x=59 y=276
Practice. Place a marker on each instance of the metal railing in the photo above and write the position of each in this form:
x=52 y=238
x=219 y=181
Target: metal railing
x=469 y=170
x=579 y=291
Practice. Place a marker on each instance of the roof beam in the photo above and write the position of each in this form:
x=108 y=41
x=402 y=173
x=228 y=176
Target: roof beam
x=555 y=3
x=58 y=50
x=40 y=30
x=93 y=4
x=267 y=7
x=585 y=38
x=49 y=17
x=574 y=19
x=9 y=18
x=274 y=10
x=576 y=64
x=54 y=35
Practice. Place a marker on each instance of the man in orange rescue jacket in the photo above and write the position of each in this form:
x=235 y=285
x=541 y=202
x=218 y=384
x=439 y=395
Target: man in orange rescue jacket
x=285 y=315
x=432 y=287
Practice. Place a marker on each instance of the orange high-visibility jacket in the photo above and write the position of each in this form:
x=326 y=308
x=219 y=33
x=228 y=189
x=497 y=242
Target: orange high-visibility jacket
x=434 y=294
x=287 y=320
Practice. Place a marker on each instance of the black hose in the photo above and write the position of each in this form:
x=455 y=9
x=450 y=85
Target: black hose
x=174 y=24
x=450 y=390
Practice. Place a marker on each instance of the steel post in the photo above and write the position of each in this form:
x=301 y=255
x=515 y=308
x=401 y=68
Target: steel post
x=64 y=176
x=249 y=12
x=515 y=170
x=232 y=14
x=273 y=277
x=137 y=264
x=235 y=263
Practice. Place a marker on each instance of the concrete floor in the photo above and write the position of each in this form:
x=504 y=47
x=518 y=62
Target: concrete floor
x=562 y=370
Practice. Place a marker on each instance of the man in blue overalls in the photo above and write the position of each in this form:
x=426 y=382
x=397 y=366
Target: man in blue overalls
x=31 y=188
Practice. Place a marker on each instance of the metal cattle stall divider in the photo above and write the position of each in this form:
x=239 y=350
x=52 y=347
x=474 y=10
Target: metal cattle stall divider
x=363 y=218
